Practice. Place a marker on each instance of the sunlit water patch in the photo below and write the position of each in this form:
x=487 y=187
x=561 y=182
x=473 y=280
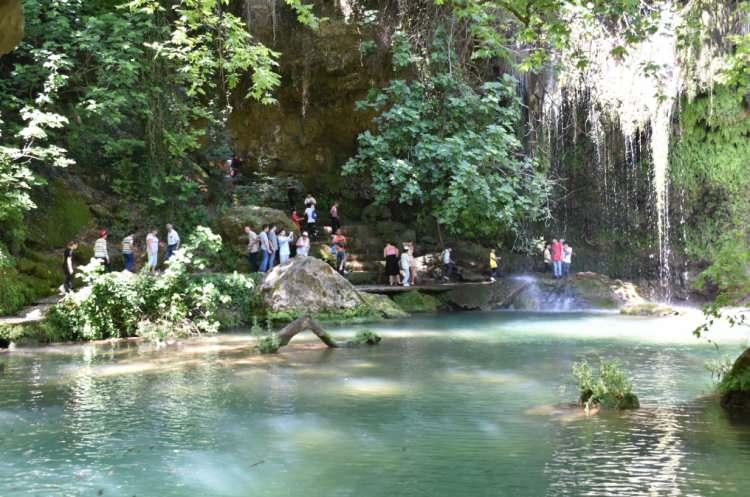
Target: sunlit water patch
x=462 y=404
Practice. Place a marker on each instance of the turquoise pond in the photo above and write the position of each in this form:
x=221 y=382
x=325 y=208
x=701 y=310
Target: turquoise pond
x=449 y=405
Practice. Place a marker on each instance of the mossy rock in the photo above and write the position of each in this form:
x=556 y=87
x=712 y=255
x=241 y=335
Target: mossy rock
x=231 y=224
x=735 y=387
x=649 y=309
x=415 y=301
x=384 y=306
x=470 y=297
x=36 y=333
x=363 y=278
x=61 y=216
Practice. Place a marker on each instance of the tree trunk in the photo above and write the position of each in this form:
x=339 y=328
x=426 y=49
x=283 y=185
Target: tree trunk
x=302 y=324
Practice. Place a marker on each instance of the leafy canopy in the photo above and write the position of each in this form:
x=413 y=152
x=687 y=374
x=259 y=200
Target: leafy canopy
x=449 y=151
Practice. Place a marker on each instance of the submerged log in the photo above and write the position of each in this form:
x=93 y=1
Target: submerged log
x=301 y=324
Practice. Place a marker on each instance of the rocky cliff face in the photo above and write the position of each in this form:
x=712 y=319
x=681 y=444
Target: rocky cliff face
x=11 y=24
x=313 y=128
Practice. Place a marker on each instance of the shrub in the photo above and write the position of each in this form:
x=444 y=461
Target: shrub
x=609 y=388
x=268 y=344
x=366 y=337
x=178 y=303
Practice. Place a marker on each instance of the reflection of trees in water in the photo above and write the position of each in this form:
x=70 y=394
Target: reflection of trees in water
x=646 y=452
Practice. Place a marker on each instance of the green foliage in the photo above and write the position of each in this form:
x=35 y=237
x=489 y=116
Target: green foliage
x=366 y=337
x=59 y=218
x=176 y=303
x=608 y=387
x=500 y=27
x=450 y=153
x=268 y=344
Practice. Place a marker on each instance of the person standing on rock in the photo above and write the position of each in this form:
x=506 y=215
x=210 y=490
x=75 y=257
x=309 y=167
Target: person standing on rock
x=303 y=245
x=335 y=220
x=405 y=277
x=297 y=219
x=557 y=258
x=273 y=242
x=253 y=247
x=493 y=265
x=284 y=250
x=265 y=249
x=128 y=257
x=100 y=250
x=68 y=269
x=173 y=242
x=447 y=263
x=547 y=258
x=311 y=217
x=390 y=254
x=339 y=243
x=412 y=264
x=567 y=259
x=152 y=250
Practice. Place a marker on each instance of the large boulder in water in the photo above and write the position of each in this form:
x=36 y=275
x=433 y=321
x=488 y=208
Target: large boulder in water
x=306 y=284
x=735 y=387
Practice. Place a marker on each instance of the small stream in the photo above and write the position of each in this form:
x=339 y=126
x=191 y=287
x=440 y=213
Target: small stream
x=464 y=404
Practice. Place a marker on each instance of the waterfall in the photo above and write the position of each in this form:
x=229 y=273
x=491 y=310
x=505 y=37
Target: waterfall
x=636 y=90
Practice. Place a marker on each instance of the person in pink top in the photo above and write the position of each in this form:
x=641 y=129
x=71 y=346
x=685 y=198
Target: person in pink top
x=557 y=249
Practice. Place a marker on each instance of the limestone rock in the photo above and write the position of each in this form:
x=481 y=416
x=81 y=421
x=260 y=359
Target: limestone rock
x=306 y=284
x=11 y=24
x=649 y=309
x=384 y=306
x=232 y=223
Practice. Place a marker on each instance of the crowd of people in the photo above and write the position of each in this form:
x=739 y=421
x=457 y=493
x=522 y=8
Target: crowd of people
x=558 y=257
x=128 y=251
x=271 y=246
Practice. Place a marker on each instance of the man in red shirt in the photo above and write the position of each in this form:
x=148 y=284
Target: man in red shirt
x=557 y=249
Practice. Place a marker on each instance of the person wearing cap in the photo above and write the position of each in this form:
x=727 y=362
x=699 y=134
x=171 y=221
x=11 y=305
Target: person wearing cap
x=405 y=265
x=101 y=252
x=303 y=245
x=173 y=242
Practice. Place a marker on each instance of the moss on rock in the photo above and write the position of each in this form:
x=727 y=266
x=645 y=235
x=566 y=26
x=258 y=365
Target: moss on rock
x=415 y=301
x=735 y=386
x=60 y=218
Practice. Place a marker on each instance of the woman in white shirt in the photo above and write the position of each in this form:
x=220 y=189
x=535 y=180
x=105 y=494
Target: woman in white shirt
x=284 y=240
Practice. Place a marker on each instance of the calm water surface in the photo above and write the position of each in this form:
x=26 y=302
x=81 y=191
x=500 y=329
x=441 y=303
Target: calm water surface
x=458 y=405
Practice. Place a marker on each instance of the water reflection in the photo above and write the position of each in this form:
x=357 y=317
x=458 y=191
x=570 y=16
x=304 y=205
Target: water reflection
x=429 y=412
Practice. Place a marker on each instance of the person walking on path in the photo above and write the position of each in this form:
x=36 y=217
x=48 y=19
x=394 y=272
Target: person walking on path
x=253 y=247
x=390 y=253
x=303 y=245
x=335 y=220
x=100 y=250
x=173 y=242
x=128 y=258
x=339 y=243
x=152 y=250
x=273 y=242
x=547 y=258
x=265 y=249
x=556 y=258
x=68 y=269
x=311 y=217
x=493 y=265
x=567 y=258
x=447 y=263
x=310 y=201
x=412 y=264
x=405 y=264
x=284 y=250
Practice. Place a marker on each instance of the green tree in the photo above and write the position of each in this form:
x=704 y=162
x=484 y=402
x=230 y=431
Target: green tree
x=450 y=152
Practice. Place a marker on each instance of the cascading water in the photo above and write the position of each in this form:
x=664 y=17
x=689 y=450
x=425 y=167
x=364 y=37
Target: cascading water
x=637 y=91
